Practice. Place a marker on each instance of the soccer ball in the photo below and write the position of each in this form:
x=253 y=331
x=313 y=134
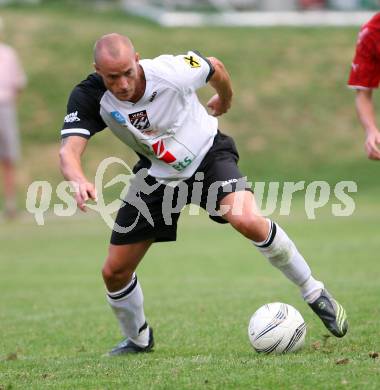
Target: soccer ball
x=276 y=328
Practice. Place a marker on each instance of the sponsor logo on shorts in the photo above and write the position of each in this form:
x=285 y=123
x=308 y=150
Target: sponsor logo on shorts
x=72 y=117
x=224 y=183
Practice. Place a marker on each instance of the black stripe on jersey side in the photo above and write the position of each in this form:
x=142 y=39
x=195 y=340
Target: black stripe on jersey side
x=212 y=69
x=125 y=292
x=271 y=238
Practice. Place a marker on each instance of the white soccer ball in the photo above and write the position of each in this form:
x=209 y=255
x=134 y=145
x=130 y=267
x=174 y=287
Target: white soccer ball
x=276 y=328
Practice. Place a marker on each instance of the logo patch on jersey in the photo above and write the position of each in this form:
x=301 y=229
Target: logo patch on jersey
x=118 y=117
x=192 y=61
x=154 y=94
x=72 y=117
x=139 y=120
x=162 y=153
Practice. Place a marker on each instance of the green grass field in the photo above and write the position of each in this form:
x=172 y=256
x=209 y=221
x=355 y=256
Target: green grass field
x=293 y=119
x=199 y=295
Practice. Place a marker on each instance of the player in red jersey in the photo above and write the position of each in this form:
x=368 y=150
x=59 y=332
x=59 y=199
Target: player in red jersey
x=364 y=77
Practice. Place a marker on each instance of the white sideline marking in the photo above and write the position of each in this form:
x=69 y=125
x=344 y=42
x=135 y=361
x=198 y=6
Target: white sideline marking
x=256 y=19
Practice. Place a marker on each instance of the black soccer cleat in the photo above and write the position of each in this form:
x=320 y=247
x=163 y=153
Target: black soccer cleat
x=331 y=313
x=129 y=347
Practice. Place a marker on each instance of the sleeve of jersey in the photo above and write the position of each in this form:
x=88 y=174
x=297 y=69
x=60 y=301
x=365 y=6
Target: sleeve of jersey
x=189 y=71
x=365 y=68
x=83 y=115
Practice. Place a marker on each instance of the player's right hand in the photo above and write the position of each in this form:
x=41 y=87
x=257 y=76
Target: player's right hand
x=83 y=192
x=218 y=106
x=372 y=145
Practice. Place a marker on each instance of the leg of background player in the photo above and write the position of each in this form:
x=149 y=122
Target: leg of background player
x=9 y=178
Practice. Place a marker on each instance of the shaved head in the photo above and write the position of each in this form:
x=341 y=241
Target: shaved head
x=117 y=62
x=113 y=46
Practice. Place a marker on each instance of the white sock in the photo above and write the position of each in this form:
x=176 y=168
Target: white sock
x=281 y=252
x=311 y=290
x=127 y=304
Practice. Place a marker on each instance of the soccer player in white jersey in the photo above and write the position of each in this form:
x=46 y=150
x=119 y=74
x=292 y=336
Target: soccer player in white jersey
x=152 y=106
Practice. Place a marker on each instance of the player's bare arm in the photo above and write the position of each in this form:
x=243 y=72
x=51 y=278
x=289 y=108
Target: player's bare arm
x=70 y=154
x=221 y=82
x=366 y=114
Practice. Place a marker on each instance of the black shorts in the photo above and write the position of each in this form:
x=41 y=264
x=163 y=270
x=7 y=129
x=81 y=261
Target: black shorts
x=151 y=210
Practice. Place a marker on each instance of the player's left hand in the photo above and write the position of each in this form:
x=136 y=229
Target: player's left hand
x=218 y=106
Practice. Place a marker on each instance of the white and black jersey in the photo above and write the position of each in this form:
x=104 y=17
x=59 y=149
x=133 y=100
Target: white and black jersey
x=168 y=125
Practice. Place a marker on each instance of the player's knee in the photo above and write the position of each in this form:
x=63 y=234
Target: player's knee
x=249 y=226
x=114 y=274
x=107 y=272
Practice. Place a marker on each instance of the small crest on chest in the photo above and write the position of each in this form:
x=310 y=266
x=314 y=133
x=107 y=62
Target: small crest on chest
x=139 y=120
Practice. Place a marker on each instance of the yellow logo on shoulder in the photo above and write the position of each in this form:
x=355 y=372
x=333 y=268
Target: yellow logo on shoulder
x=192 y=61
